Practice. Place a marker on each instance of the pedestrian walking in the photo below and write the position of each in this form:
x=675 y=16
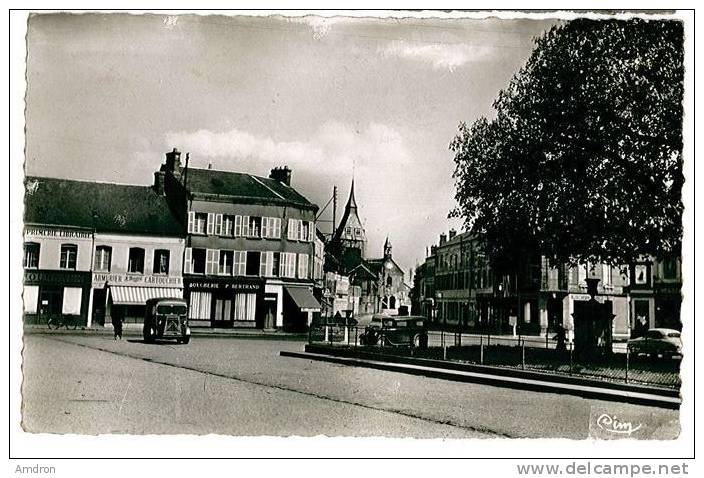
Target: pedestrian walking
x=561 y=337
x=117 y=326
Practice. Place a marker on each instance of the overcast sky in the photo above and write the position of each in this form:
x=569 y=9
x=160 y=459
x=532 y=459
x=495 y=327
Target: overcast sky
x=109 y=94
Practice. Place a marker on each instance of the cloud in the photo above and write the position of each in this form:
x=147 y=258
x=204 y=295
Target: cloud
x=391 y=183
x=440 y=55
x=339 y=146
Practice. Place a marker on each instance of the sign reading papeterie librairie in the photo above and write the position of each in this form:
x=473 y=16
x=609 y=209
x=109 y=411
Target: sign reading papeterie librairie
x=102 y=278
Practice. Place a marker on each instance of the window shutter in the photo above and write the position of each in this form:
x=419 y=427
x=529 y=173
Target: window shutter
x=216 y=260
x=187 y=265
x=265 y=264
x=238 y=226
x=265 y=227
x=245 y=226
x=270 y=264
x=311 y=231
x=243 y=263
x=291 y=229
x=301 y=263
x=277 y=228
x=211 y=223
x=218 y=225
x=282 y=264
x=191 y=221
x=291 y=264
x=208 y=261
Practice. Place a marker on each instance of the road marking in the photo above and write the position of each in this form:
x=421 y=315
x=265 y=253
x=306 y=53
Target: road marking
x=293 y=390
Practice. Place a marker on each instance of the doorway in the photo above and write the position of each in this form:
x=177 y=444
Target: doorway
x=222 y=314
x=50 y=302
x=270 y=302
x=99 y=301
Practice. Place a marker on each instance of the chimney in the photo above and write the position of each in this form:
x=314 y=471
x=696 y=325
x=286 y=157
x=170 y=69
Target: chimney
x=433 y=250
x=443 y=238
x=453 y=233
x=159 y=177
x=282 y=175
x=173 y=160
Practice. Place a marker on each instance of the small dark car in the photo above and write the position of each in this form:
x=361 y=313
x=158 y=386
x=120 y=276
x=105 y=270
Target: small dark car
x=655 y=342
x=396 y=331
x=166 y=319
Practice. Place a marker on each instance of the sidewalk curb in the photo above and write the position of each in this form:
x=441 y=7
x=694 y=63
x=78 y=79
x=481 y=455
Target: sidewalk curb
x=665 y=398
x=235 y=334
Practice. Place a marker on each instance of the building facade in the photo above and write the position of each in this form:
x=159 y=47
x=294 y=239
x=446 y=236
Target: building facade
x=249 y=257
x=56 y=264
x=94 y=250
x=540 y=296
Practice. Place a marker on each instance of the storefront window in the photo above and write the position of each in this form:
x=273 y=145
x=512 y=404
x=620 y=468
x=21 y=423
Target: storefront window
x=31 y=255
x=31 y=297
x=103 y=256
x=135 y=263
x=161 y=261
x=245 y=307
x=69 y=252
x=72 y=301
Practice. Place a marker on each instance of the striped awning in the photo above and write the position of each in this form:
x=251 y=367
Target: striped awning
x=122 y=295
x=303 y=298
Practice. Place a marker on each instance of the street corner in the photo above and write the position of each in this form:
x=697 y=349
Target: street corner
x=617 y=423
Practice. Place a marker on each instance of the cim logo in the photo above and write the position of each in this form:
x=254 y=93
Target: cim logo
x=611 y=424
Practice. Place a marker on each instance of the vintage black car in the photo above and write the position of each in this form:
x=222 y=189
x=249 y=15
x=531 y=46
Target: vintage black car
x=166 y=319
x=406 y=330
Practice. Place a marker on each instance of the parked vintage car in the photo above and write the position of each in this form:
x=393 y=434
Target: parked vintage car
x=655 y=342
x=396 y=331
x=166 y=319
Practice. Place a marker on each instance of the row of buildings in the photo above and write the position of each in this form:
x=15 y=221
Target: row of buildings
x=241 y=248
x=456 y=286
x=244 y=251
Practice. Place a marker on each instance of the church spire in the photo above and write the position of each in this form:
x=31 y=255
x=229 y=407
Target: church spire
x=351 y=202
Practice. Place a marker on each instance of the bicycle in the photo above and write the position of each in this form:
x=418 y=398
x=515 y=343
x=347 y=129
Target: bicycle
x=58 y=321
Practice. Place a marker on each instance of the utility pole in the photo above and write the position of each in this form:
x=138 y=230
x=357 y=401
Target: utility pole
x=334 y=209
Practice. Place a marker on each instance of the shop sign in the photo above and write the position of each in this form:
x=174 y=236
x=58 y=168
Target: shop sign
x=68 y=278
x=587 y=297
x=59 y=233
x=102 y=278
x=225 y=286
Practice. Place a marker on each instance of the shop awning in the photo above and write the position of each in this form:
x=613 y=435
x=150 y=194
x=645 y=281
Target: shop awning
x=122 y=295
x=303 y=298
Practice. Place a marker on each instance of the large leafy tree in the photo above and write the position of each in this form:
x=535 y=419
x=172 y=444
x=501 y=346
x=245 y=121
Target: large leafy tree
x=583 y=161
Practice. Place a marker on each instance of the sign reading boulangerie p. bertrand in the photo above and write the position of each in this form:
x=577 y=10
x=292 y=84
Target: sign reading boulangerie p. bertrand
x=102 y=278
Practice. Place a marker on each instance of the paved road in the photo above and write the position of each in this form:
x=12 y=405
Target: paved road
x=241 y=386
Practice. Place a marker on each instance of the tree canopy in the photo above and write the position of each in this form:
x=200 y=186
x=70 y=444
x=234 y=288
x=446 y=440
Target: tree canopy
x=583 y=161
